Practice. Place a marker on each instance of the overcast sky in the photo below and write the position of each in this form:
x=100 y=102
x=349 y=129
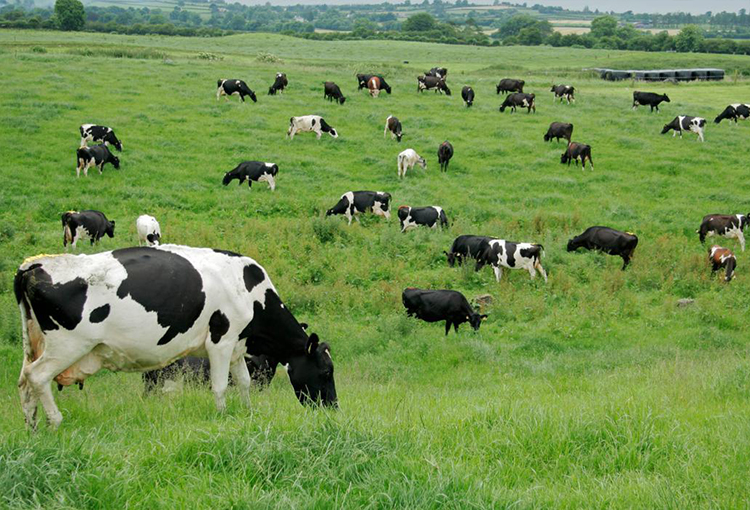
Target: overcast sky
x=661 y=6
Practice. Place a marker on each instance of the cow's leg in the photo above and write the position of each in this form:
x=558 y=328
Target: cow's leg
x=538 y=266
x=219 y=357
x=241 y=377
x=741 y=239
x=625 y=261
x=271 y=182
x=78 y=168
x=348 y=215
x=532 y=271
x=498 y=272
x=447 y=326
x=319 y=133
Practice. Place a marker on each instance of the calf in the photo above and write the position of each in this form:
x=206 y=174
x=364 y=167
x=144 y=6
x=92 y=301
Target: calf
x=722 y=257
x=500 y=253
x=96 y=156
x=279 y=84
x=685 y=123
x=726 y=225
x=393 y=125
x=734 y=112
x=467 y=246
x=250 y=171
x=406 y=161
x=332 y=92
x=467 y=94
x=91 y=223
x=432 y=217
x=101 y=134
x=559 y=130
x=432 y=83
x=373 y=85
x=148 y=230
x=563 y=92
x=510 y=85
x=445 y=153
x=233 y=87
x=576 y=151
x=441 y=305
x=352 y=203
x=648 y=99
x=310 y=124
x=437 y=72
x=608 y=240
x=519 y=99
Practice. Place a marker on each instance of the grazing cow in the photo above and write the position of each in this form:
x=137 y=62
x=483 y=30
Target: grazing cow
x=393 y=125
x=148 y=230
x=445 y=153
x=467 y=94
x=686 y=123
x=559 y=130
x=519 y=99
x=563 y=92
x=250 y=171
x=608 y=240
x=734 y=112
x=363 y=79
x=406 y=161
x=279 y=84
x=648 y=99
x=726 y=225
x=373 y=85
x=437 y=72
x=96 y=156
x=467 y=246
x=101 y=134
x=432 y=217
x=432 y=83
x=576 y=151
x=441 y=305
x=510 y=85
x=332 y=92
x=352 y=203
x=141 y=308
x=91 y=223
x=233 y=87
x=500 y=253
x=722 y=257
x=310 y=124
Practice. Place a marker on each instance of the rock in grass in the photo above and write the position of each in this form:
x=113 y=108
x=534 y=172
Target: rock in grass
x=685 y=302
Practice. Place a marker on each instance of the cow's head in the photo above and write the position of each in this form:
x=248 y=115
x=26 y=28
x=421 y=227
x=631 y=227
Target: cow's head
x=451 y=258
x=403 y=212
x=111 y=139
x=342 y=100
x=311 y=374
x=252 y=96
x=665 y=129
x=445 y=88
x=111 y=229
x=475 y=320
x=227 y=178
x=422 y=162
x=572 y=244
x=665 y=98
x=115 y=161
x=553 y=89
x=387 y=88
x=744 y=218
x=565 y=156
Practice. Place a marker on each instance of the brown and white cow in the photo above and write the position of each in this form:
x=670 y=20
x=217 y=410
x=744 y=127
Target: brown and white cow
x=722 y=257
x=393 y=125
x=373 y=85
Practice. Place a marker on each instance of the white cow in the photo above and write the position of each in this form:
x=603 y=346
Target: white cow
x=148 y=229
x=406 y=161
x=310 y=124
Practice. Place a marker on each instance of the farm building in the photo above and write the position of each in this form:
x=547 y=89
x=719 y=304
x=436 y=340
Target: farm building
x=661 y=74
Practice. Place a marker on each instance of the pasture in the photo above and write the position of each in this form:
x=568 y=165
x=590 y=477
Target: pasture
x=595 y=390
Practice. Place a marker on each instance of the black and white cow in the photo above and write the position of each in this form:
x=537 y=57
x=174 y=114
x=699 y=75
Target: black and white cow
x=431 y=216
x=467 y=94
x=648 y=99
x=250 y=171
x=519 y=99
x=141 y=308
x=279 y=84
x=98 y=134
x=234 y=87
x=310 y=124
x=393 y=125
x=576 y=151
x=720 y=257
x=500 y=253
x=734 y=112
x=363 y=79
x=92 y=223
x=352 y=203
x=559 y=130
x=608 y=240
x=563 y=92
x=445 y=153
x=432 y=83
x=441 y=305
x=96 y=156
x=685 y=123
x=725 y=225
x=332 y=92
x=148 y=229
x=467 y=246
x=437 y=72
x=510 y=85
x=406 y=161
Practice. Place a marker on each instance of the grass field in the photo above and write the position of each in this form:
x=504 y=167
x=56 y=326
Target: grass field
x=593 y=391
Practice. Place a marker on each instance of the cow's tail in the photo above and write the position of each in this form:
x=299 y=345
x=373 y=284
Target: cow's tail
x=540 y=251
x=19 y=288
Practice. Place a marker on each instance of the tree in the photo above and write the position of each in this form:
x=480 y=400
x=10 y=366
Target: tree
x=689 y=39
x=70 y=14
x=603 y=26
x=421 y=22
x=530 y=36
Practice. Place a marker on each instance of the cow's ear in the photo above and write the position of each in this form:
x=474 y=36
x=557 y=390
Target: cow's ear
x=312 y=343
x=303 y=325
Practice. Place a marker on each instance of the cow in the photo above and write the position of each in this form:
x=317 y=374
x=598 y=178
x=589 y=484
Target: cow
x=441 y=305
x=510 y=85
x=101 y=134
x=250 y=171
x=148 y=230
x=233 y=87
x=432 y=83
x=467 y=94
x=686 y=123
x=141 y=308
x=734 y=112
x=559 y=130
x=373 y=85
x=352 y=203
x=279 y=84
x=432 y=217
x=648 y=99
x=608 y=240
x=437 y=72
x=310 y=124
x=467 y=246
x=96 y=156
x=519 y=99
x=445 y=153
x=563 y=92
x=362 y=80
x=576 y=151
x=726 y=225
x=332 y=92
x=406 y=161
x=499 y=253
x=720 y=257
x=92 y=223
x=393 y=125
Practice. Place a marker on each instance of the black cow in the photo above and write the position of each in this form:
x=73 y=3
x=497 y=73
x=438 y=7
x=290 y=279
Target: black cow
x=686 y=123
x=519 y=99
x=510 y=85
x=352 y=203
x=250 y=171
x=432 y=83
x=648 y=99
x=467 y=94
x=279 y=84
x=563 y=92
x=91 y=223
x=393 y=125
x=576 y=151
x=96 y=156
x=437 y=72
x=332 y=92
x=559 y=130
x=608 y=240
x=722 y=257
x=445 y=153
x=725 y=225
x=441 y=305
x=101 y=134
x=467 y=246
x=734 y=112
x=432 y=216
x=233 y=87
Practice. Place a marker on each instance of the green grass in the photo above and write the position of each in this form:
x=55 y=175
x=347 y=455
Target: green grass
x=595 y=390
